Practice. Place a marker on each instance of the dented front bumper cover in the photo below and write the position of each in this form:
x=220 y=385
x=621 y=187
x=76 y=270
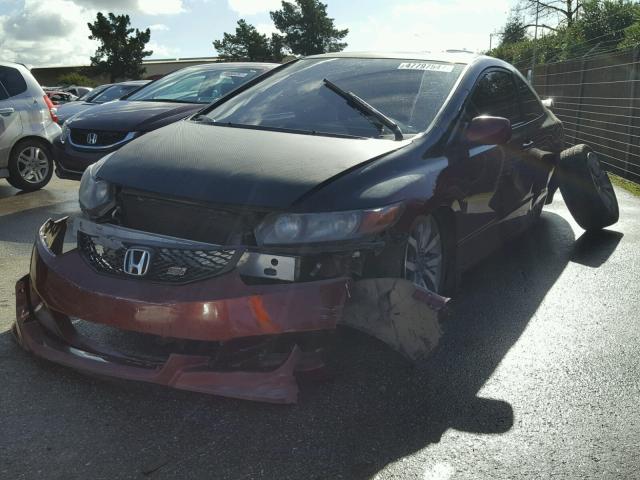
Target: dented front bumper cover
x=62 y=287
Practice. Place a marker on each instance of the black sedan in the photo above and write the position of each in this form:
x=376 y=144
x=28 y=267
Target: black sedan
x=102 y=94
x=250 y=228
x=102 y=129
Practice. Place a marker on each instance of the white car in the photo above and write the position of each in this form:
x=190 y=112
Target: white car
x=28 y=125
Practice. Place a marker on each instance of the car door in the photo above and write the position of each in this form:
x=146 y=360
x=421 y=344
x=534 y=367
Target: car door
x=10 y=123
x=535 y=170
x=492 y=190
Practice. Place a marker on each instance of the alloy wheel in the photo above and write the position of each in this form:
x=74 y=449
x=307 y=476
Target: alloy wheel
x=423 y=259
x=33 y=164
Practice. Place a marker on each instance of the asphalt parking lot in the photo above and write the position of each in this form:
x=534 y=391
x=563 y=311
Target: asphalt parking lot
x=537 y=376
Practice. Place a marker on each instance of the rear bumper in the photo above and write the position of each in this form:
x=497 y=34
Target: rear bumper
x=63 y=286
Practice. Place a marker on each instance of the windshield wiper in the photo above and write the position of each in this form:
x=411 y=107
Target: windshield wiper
x=366 y=108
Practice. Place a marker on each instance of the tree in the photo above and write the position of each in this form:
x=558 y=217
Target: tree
x=603 y=23
x=121 y=50
x=514 y=30
x=567 y=10
x=307 y=29
x=248 y=44
x=75 y=78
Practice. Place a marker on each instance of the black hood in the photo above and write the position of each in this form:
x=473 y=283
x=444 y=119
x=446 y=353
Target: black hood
x=68 y=110
x=130 y=116
x=237 y=166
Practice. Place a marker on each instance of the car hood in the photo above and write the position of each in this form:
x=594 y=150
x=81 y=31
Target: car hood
x=236 y=166
x=68 y=110
x=132 y=116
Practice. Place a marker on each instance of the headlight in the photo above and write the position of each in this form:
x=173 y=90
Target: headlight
x=96 y=196
x=297 y=228
x=65 y=133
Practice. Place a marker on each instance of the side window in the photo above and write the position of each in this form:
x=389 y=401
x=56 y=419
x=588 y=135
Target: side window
x=12 y=81
x=3 y=93
x=531 y=106
x=495 y=95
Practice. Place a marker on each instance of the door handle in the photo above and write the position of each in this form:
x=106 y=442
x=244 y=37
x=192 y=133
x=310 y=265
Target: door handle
x=7 y=111
x=527 y=144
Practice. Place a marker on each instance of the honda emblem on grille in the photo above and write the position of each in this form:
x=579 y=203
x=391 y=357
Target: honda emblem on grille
x=92 y=138
x=136 y=261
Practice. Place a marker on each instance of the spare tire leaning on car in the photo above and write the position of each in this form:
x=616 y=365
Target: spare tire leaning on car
x=586 y=188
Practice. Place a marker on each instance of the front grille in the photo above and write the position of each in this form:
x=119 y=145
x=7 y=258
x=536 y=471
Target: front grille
x=190 y=220
x=167 y=265
x=104 y=138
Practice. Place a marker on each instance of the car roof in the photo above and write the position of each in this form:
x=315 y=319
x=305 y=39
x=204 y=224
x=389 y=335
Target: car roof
x=132 y=82
x=222 y=65
x=449 y=56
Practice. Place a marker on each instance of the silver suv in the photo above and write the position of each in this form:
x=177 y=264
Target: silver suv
x=27 y=128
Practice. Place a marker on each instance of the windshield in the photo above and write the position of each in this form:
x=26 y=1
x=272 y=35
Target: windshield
x=297 y=98
x=91 y=94
x=196 y=84
x=114 y=92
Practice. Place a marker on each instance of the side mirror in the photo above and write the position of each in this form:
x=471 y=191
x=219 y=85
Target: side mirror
x=487 y=130
x=547 y=103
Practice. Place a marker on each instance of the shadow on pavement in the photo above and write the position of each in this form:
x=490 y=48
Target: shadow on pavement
x=592 y=249
x=377 y=410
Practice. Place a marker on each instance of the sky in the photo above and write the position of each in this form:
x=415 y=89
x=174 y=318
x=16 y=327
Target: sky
x=54 y=32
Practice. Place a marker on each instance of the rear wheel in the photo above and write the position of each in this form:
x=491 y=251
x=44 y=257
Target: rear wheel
x=586 y=188
x=30 y=165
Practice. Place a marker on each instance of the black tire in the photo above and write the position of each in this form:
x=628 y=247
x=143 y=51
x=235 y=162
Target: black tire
x=586 y=188
x=23 y=178
x=392 y=260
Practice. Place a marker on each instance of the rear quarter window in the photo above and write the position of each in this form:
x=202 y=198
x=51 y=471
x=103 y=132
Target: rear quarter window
x=12 y=81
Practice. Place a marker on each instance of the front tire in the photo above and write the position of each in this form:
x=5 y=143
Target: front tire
x=422 y=258
x=30 y=165
x=586 y=189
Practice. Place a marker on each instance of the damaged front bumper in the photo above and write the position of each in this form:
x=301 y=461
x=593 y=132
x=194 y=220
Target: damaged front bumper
x=62 y=290
x=62 y=287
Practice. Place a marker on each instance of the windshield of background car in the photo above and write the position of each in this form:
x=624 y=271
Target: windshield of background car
x=114 y=92
x=410 y=92
x=196 y=85
x=91 y=94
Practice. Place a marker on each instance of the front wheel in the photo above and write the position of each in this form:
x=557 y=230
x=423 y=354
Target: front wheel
x=422 y=258
x=30 y=165
x=424 y=255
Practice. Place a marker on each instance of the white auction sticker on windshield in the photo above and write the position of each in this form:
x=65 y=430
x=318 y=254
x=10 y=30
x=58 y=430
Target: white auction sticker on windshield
x=431 y=67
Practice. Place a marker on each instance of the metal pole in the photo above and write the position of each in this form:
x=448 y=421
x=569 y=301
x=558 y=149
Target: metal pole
x=490 y=38
x=535 y=40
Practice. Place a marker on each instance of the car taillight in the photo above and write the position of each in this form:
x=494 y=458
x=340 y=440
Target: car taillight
x=52 y=108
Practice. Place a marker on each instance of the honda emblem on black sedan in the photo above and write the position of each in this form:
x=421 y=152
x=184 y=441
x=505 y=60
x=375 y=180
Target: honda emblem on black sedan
x=136 y=261
x=92 y=138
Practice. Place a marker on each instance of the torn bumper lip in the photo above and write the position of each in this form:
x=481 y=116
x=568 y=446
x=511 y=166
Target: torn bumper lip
x=62 y=286
x=186 y=372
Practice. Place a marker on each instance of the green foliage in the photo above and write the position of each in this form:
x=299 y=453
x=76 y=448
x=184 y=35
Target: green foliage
x=631 y=36
x=514 y=30
x=249 y=44
x=75 y=78
x=307 y=29
x=603 y=25
x=121 y=50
